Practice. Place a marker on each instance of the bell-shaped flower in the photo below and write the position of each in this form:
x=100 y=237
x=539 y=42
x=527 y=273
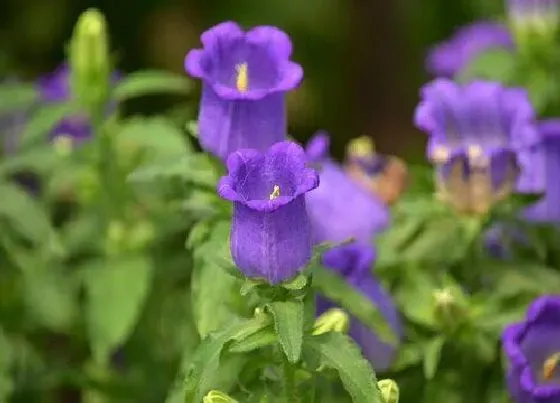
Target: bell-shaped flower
x=270 y=231
x=476 y=132
x=448 y=58
x=532 y=349
x=354 y=262
x=245 y=77
x=340 y=208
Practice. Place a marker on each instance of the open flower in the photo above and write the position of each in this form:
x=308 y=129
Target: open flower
x=532 y=349
x=354 y=263
x=384 y=176
x=475 y=133
x=245 y=78
x=448 y=58
x=340 y=208
x=270 y=232
x=541 y=169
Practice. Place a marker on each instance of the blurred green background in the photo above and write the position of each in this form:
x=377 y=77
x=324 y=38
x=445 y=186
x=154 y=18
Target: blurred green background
x=363 y=59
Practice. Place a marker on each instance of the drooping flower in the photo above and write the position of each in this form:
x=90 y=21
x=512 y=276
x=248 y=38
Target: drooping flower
x=475 y=133
x=245 y=78
x=270 y=232
x=532 y=348
x=354 y=263
x=340 y=208
x=449 y=57
x=541 y=172
x=382 y=175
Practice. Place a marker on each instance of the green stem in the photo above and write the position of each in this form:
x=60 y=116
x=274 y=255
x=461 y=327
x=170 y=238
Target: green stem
x=290 y=390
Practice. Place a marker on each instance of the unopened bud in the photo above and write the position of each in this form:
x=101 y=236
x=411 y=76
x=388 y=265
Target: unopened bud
x=90 y=59
x=534 y=23
x=448 y=309
x=389 y=390
x=215 y=396
x=334 y=320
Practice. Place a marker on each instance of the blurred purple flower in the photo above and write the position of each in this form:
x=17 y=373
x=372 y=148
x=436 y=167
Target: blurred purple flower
x=245 y=78
x=475 y=132
x=340 y=208
x=450 y=57
x=540 y=173
x=532 y=349
x=270 y=232
x=354 y=262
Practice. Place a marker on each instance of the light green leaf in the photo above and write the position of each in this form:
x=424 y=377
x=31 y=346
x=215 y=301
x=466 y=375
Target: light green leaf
x=432 y=353
x=43 y=121
x=26 y=216
x=16 y=97
x=157 y=138
x=496 y=64
x=339 y=291
x=116 y=291
x=288 y=324
x=263 y=338
x=338 y=351
x=40 y=159
x=206 y=365
x=151 y=82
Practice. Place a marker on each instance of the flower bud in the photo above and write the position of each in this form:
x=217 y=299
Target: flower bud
x=334 y=320
x=448 y=309
x=215 y=396
x=90 y=59
x=140 y=235
x=534 y=23
x=389 y=390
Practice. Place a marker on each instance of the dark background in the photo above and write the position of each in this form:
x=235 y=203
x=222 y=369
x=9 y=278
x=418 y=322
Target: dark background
x=363 y=59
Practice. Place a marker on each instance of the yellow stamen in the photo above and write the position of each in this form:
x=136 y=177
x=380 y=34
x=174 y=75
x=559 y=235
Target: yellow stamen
x=361 y=147
x=474 y=151
x=242 y=81
x=275 y=193
x=441 y=155
x=550 y=366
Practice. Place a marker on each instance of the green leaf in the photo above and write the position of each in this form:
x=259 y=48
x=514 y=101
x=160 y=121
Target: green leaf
x=26 y=216
x=40 y=160
x=288 y=324
x=338 y=351
x=207 y=362
x=158 y=138
x=17 y=97
x=432 y=355
x=263 y=338
x=151 y=82
x=43 y=121
x=495 y=64
x=339 y=291
x=116 y=291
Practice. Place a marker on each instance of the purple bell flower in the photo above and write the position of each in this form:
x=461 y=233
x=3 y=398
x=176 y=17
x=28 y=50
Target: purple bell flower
x=541 y=171
x=245 y=78
x=532 y=349
x=475 y=134
x=270 y=231
x=354 y=263
x=340 y=208
x=448 y=58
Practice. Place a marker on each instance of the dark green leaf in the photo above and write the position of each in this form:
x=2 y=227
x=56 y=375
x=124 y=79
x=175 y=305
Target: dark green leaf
x=151 y=82
x=116 y=291
x=339 y=291
x=338 y=351
x=288 y=324
x=43 y=121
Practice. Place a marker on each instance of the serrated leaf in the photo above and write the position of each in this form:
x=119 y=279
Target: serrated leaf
x=151 y=82
x=339 y=291
x=206 y=363
x=495 y=64
x=288 y=324
x=432 y=353
x=116 y=291
x=338 y=351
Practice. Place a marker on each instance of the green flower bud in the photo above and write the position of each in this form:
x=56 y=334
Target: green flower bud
x=215 y=396
x=334 y=320
x=448 y=307
x=63 y=145
x=389 y=390
x=90 y=59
